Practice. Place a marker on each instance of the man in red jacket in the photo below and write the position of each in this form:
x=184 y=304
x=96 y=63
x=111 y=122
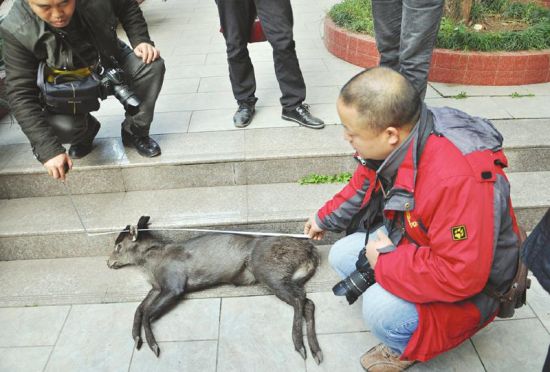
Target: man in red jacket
x=431 y=195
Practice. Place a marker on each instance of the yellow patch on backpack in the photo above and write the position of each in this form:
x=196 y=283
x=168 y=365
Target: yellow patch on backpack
x=459 y=232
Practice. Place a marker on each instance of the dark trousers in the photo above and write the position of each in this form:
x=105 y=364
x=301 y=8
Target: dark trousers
x=405 y=32
x=144 y=80
x=236 y=18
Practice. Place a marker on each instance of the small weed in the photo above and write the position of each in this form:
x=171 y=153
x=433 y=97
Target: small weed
x=460 y=95
x=323 y=178
x=517 y=95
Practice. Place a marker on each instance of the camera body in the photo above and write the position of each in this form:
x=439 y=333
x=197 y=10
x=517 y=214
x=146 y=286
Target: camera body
x=112 y=82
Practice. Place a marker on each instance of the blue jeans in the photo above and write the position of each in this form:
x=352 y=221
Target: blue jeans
x=391 y=319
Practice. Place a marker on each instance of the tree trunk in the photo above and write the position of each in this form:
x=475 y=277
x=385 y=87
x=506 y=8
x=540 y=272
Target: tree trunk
x=459 y=10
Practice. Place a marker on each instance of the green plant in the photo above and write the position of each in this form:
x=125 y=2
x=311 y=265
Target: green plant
x=460 y=95
x=322 y=178
x=518 y=95
x=356 y=16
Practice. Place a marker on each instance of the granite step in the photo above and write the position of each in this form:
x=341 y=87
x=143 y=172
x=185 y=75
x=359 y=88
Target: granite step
x=229 y=158
x=51 y=227
x=88 y=280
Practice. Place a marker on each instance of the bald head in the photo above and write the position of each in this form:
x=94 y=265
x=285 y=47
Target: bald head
x=382 y=98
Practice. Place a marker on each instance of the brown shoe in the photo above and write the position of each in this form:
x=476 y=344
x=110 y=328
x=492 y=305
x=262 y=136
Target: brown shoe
x=382 y=359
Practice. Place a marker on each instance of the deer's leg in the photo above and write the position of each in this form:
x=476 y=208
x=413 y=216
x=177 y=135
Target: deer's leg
x=165 y=300
x=138 y=316
x=309 y=314
x=295 y=296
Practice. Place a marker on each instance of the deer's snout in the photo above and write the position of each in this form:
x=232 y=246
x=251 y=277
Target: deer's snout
x=113 y=263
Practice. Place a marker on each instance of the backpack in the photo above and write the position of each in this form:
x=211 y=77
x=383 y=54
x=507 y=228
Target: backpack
x=516 y=296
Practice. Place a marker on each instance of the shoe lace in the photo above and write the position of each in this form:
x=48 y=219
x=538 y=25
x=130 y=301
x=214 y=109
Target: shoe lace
x=303 y=109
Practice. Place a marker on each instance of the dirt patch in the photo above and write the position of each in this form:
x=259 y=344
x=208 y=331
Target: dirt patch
x=497 y=23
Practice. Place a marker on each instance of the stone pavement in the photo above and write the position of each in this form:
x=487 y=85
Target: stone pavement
x=72 y=314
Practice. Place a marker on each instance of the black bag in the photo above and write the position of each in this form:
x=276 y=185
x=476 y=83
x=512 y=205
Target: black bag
x=516 y=296
x=69 y=93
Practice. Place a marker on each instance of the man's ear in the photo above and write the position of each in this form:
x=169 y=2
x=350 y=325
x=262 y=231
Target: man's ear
x=392 y=134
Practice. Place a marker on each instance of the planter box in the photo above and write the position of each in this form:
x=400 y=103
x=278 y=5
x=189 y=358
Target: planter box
x=449 y=66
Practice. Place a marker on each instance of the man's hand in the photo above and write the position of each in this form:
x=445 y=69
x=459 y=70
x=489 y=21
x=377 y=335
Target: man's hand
x=58 y=166
x=373 y=245
x=313 y=230
x=147 y=52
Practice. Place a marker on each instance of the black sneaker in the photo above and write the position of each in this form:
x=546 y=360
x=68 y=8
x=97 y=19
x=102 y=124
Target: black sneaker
x=81 y=149
x=302 y=116
x=145 y=145
x=244 y=115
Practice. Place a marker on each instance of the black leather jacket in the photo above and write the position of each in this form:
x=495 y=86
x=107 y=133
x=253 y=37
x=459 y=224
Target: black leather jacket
x=29 y=40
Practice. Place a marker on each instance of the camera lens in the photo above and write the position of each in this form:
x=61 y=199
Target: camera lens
x=127 y=98
x=354 y=285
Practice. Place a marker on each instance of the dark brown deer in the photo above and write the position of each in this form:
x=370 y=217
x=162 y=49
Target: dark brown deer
x=282 y=264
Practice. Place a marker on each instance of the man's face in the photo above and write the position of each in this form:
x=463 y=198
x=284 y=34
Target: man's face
x=57 y=13
x=368 y=143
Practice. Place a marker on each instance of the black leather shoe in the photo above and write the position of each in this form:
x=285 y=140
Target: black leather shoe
x=145 y=146
x=244 y=115
x=80 y=150
x=302 y=116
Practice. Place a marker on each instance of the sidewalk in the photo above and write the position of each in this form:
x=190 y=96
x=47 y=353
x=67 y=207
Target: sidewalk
x=232 y=329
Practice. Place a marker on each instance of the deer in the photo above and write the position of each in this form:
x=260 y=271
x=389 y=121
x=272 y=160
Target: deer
x=282 y=264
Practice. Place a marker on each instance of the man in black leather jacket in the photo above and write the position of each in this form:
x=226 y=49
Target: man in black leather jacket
x=33 y=32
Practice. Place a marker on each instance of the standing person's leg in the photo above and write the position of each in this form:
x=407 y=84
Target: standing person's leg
x=387 y=16
x=420 y=25
x=78 y=130
x=145 y=80
x=236 y=17
x=277 y=21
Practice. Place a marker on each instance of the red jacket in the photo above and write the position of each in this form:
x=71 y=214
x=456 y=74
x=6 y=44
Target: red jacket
x=459 y=229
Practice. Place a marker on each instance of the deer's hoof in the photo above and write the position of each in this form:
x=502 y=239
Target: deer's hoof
x=156 y=349
x=302 y=351
x=318 y=357
x=138 y=342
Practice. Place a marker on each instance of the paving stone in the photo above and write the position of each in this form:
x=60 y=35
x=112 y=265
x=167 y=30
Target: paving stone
x=462 y=358
x=255 y=334
x=525 y=107
x=286 y=142
x=24 y=359
x=105 y=346
x=264 y=204
x=28 y=326
x=175 y=86
x=538 y=89
x=485 y=107
x=163 y=123
x=177 y=356
x=519 y=345
x=190 y=320
x=539 y=300
x=334 y=315
x=11 y=134
x=449 y=90
x=342 y=352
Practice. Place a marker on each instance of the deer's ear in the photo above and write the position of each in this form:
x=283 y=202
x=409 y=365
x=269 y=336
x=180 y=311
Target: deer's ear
x=143 y=222
x=134 y=232
x=122 y=234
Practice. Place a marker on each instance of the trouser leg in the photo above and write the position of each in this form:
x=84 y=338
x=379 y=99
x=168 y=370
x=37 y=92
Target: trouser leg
x=387 y=16
x=391 y=319
x=421 y=19
x=344 y=253
x=73 y=129
x=236 y=17
x=277 y=21
x=145 y=80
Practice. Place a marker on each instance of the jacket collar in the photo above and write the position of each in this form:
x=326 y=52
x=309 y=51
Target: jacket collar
x=402 y=164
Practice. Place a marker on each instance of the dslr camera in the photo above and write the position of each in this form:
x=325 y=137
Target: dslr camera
x=112 y=82
x=362 y=278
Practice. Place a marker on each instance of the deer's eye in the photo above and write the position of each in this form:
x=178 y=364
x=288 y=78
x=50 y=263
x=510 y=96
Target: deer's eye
x=118 y=247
